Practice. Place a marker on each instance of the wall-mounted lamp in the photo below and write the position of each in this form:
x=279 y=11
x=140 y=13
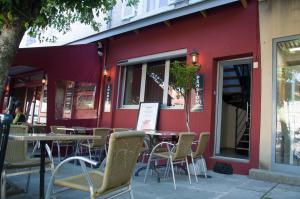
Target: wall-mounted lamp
x=106 y=74
x=44 y=80
x=194 y=54
x=7 y=88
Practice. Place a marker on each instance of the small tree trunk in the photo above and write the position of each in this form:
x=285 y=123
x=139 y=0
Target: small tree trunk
x=187 y=112
x=10 y=38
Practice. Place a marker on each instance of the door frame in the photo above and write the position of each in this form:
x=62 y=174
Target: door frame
x=284 y=168
x=218 y=104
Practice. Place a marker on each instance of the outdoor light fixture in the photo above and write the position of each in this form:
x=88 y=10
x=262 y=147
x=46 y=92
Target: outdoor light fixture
x=194 y=54
x=106 y=74
x=44 y=80
x=294 y=49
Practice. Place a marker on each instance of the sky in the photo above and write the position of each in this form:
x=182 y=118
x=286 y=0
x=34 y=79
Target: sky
x=77 y=31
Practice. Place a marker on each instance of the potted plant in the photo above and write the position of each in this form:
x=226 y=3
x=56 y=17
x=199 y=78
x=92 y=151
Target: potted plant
x=184 y=77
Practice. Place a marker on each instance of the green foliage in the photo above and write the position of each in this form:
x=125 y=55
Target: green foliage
x=183 y=77
x=38 y=15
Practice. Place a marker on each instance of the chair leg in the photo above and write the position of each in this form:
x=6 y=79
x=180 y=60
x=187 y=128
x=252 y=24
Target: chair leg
x=27 y=184
x=204 y=166
x=58 y=151
x=148 y=166
x=173 y=174
x=188 y=170
x=131 y=194
x=167 y=169
x=3 y=185
x=90 y=154
x=194 y=168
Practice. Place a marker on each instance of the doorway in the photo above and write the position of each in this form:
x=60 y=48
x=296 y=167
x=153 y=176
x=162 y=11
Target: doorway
x=233 y=108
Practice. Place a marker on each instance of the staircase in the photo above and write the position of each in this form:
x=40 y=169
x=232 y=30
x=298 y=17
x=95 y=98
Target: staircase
x=236 y=91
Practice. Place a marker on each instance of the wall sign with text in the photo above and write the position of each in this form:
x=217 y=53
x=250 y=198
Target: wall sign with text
x=197 y=95
x=107 y=98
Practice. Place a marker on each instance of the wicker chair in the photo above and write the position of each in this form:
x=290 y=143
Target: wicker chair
x=120 y=130
x=198 y=154
x=123 y=152
x=175 y=154
x=17 y=161
x=59 y=144
x=95 y=145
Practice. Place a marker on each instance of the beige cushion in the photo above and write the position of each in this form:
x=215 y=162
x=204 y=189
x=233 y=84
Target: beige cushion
x=34 y=162
x=79 y=182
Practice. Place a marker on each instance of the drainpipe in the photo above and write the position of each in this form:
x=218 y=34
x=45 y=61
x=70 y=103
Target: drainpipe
x=102 y=84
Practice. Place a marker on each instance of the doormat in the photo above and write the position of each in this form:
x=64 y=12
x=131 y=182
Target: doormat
x=12 y=189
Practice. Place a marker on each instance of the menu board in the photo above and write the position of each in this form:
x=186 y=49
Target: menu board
x=147 y=117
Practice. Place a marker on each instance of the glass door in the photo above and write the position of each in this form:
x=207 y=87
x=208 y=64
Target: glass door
x=286 y=95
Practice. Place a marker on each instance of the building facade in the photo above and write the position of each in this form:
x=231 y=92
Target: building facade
x=136 y=54
x=280 y=60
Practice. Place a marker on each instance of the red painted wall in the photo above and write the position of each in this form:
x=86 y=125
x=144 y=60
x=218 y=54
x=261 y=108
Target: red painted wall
x=75 y=63
x=228 y=32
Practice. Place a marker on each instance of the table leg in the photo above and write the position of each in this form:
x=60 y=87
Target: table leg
x=42 y=170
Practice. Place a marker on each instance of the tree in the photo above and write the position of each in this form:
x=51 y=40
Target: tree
x=184 y=76
x=18 y=16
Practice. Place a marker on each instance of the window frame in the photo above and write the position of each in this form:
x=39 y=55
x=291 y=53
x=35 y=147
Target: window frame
x=122 y=81
x=133 y=12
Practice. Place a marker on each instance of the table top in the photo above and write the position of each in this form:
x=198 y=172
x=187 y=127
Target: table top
x=52 y=137
x=75 y=128
x=162 y=133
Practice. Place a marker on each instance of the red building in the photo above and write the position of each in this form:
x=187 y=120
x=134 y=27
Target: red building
x=138 y=61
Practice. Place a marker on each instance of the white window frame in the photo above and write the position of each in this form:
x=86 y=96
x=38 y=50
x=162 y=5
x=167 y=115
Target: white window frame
x=132 y=14
x=167 y=56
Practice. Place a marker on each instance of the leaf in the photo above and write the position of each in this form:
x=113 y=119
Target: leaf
x=10 y=16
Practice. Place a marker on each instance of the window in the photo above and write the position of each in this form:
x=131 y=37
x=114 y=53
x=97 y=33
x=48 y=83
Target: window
x=149 y=82
x=156 y=4
x=287 y=79
x=127 y=11
x=75 y=100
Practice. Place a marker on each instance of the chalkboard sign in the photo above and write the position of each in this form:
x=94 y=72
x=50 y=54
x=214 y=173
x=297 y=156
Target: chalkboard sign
x=147 y=117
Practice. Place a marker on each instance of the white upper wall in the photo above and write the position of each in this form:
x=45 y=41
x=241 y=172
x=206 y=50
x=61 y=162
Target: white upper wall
x=120 y=15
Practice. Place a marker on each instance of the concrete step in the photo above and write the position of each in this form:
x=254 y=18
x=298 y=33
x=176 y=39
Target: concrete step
x=277 y=177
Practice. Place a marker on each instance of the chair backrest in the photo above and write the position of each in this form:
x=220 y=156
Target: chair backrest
x=184 y=145
x=103 y=132
x=54 y=129
x=39 y=128
x=203 y=140
x=120 y=130
x=79 y=130
x=16 y=151
x=123 y=152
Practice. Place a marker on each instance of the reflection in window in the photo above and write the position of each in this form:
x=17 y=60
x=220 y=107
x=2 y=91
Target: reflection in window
x=132 y=85
x=175 y=98
x=154 y=84
x=75 y=100
x=288 y=102
x=155 y=78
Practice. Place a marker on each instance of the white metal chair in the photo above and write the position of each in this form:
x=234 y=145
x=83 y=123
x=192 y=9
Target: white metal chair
x=17 y=161
x=123 y=151
x=175 y=154
x=198 y=153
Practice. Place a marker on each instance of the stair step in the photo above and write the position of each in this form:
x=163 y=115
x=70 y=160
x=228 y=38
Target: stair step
x=231 y=86
x=228 y=69
x=231 y=93
x=230 y=77
x=244 y=149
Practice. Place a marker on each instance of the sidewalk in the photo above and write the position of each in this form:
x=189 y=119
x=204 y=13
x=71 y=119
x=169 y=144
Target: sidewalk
x=218 y=187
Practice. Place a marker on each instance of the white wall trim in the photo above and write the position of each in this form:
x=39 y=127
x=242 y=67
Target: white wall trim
x=153 y=57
